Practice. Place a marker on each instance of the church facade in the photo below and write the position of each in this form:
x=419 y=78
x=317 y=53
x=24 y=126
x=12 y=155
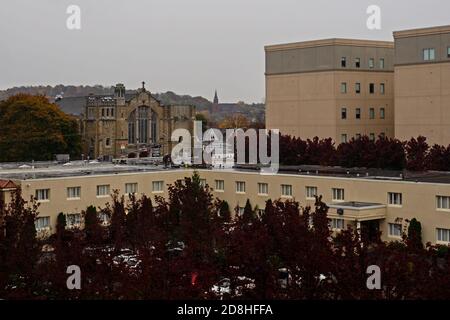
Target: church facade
x=120 y=124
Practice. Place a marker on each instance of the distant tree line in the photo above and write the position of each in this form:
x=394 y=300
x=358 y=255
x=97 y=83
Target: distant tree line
x=185 y=246
x=383 y=153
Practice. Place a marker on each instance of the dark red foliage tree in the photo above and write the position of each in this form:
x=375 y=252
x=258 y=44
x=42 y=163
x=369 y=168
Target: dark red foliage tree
x=416 y=154
x=389 y=154
x=438 y=158
x=92 y=228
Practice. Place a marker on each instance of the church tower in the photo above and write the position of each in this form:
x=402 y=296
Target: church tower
x=119 y=94
x=215 y=105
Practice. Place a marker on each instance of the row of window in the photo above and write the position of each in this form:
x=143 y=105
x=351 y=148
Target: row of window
x=442 y=235
x=102 y=190
x=108 y=112
x=358 y=113
x=394 y=229
x=72 y=220
x=338 y=194
x=357 y=63
x=358 y=88
x=429 y=54
x=344 y=137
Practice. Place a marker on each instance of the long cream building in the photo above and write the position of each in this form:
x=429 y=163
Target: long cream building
x=343 y=88
x=370 y=200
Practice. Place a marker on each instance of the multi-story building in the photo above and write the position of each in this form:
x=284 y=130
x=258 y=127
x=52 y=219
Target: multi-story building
x=117 y=125
x=334 y=88
x=422 y=84
x=371 y=200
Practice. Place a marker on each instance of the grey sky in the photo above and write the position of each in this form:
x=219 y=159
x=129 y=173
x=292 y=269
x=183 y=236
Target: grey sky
x=188 y=46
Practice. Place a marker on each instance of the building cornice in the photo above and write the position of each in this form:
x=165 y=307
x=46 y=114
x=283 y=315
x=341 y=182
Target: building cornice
x=422 y=32
x=327 y=70
x=331 y=42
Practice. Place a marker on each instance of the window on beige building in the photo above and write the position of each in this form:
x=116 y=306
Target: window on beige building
x=103 y=190
x=286 y=190
x=131 y=188
x=220 y=185
x=343 y=62
x=344 y=113
x=395 y=199
x=372 y=113
x=382 y=63
x=382 y=113
x=337 y=224
x=443 y=235
x=108 y=142
x=338 y=194
x=73 y=220
x=42 y=223
x=443 y=202
x=358 y=87
x=429 y=54
x=395 y=230
x=311 y=192
x=382 y=135
x=263 y=188
x=382 y=88
x=357 y=63
x=203 y=182
x=358 y=113
x=42 y=194
x=344 y=87
x=343 y=138
x=157 y=186
x=371 y=63
x=73 y=192
x=240 y=186
x=372 y=88
x=372 y=137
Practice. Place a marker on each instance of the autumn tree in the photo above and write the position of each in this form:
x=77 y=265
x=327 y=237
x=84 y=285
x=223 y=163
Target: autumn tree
x=438 y=158
x=92 y=228
x=236 y=121
x=19 y=247
x=118 y=221
x=414 y=239
x=32 y=128
x=224 y=211
x=416 y=153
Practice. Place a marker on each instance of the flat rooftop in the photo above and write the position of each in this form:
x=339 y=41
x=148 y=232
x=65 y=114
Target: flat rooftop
x=331 y=42
x=422 y=32
x=49 y=170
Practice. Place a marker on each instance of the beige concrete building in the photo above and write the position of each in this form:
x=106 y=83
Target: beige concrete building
x=114 y=126
x=342 y=88
x=422 y=84
x=369 y=200
x=334 y=88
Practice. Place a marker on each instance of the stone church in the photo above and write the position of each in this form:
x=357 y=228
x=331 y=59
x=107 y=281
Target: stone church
x=116 y=125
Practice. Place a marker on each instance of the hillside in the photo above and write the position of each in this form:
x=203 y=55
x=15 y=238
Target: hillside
x=71 y=99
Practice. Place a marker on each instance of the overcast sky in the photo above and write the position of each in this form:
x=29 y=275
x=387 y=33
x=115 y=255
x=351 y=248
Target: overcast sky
x=187 y=46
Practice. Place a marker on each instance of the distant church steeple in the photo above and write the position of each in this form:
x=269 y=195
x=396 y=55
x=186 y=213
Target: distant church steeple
x=215 y=105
